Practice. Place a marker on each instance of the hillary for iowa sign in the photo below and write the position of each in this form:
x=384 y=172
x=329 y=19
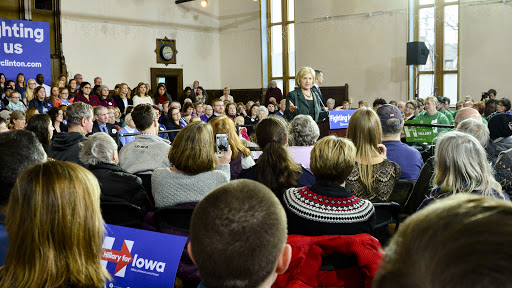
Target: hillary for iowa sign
x=139 y=258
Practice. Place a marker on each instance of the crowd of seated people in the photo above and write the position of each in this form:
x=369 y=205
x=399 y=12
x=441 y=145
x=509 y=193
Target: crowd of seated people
x=312 y=186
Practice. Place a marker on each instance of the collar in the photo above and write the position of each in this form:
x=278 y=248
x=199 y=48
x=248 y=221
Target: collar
x=216 y=114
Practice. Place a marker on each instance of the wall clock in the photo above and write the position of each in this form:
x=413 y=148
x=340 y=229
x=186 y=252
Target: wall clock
x=166 y=51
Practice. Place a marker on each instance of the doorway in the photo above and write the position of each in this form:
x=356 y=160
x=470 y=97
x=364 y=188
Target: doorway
x=172 y=78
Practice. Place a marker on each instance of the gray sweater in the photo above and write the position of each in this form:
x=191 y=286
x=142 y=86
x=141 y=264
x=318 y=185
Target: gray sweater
x=171 y=188
x=145 y=154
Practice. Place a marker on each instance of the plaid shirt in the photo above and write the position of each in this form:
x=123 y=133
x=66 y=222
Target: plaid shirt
x=93 y=99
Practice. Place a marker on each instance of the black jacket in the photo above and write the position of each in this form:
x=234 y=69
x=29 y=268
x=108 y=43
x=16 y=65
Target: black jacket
x=110 y=128
x=118 y=185
x=120 y=103
x=66 y=147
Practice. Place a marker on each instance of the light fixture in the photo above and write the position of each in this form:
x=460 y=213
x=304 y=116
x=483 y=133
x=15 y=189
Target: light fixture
x=204 y=3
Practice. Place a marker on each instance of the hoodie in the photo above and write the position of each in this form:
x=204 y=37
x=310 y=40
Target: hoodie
x=66 y=146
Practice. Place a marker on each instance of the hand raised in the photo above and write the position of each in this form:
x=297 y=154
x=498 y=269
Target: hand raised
x=292 y=107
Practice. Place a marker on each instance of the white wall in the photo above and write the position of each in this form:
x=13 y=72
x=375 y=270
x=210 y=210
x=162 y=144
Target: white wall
x=116 y=41
x=240 y=44
x=485 y=47
x=367 y=52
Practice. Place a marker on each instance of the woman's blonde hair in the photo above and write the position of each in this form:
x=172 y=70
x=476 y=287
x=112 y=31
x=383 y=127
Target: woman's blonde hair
x=128 y=96
x=365 y=131
x=55 y=236
x=30 y=92
x=461 y=166
x=193 y=149
x=302 y=72
x=332 y=160
x=224 y=125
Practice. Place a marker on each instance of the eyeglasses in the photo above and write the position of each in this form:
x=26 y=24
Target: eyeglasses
x=87 y=87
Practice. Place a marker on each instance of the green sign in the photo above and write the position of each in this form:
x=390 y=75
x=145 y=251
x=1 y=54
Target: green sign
x=419 y=134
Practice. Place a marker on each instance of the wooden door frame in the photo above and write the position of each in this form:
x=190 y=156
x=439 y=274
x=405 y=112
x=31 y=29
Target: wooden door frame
x=168 y=72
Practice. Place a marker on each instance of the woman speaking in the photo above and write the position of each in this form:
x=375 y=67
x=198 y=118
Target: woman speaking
x=303 y=100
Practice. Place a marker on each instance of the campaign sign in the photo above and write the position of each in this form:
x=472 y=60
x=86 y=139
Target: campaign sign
x=25 y=48
x=139 y=258
x=419 y=134
x=339 y=119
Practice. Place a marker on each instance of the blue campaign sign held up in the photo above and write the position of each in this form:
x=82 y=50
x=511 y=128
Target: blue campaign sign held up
x=139 y=258
x=339 y=119
x=25 y=48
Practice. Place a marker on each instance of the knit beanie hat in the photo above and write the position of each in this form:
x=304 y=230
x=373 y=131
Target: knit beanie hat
x=500 y=125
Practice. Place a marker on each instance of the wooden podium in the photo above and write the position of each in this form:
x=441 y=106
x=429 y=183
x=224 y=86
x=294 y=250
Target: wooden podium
x=325 y=130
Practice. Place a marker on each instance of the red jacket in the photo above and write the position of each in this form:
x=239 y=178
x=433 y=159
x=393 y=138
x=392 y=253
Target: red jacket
x=304 y=270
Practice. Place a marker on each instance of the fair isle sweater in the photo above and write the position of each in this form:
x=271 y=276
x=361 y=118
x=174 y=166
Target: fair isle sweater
x=327 y=210
x=171 y=188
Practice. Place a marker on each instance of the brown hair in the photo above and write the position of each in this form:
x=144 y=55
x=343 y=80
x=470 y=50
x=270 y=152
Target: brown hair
x=275 y=167
x=193 y=149
x=365 y=131
x=238 y=232
x=223 y=125
x=54 y=236
x=458 y=242
x=332 y=160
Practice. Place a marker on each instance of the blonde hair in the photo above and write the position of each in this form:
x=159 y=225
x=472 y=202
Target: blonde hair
x=193 y=149
x=55 y=236
x=333 y=159
x=461 y=166
x=303 y=72
x=365 y=131
x=223 y=125
x=433 y=100
x=30 y=92
x=128 y=96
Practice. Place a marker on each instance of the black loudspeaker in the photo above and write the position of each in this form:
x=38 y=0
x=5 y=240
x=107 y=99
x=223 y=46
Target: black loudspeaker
x=417 y=53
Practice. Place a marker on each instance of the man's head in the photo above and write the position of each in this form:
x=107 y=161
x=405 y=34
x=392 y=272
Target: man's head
x=238 y=236
x=492 y=93
x=19 y=149
x=79 y=116
x=319 y=77
x=40 y=79
x=144 y=117
x=176 y=104
x=378 y=102
x=457 y=242
x=78 y=78
x=218 y=106
x=401 y=106
x=101 y=114
x=195 y=84
x=98 y=81
x=391 y=121
x=475 y=128
x=466 y=113
x=282 y=105
x=490 y=107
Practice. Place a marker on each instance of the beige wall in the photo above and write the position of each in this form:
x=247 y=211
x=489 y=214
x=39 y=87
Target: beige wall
x=485 y=43
x=240 y=44
x=367 y=52
x=117 y=40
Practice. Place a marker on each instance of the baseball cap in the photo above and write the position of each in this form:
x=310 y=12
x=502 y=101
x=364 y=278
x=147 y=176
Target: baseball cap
x=388 y=111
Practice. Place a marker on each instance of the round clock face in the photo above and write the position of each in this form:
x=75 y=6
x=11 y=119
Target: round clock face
x=166 y=52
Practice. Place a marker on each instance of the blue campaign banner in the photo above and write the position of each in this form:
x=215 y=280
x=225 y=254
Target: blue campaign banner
x=25 y=48
x=139 y=258
x=339 y=119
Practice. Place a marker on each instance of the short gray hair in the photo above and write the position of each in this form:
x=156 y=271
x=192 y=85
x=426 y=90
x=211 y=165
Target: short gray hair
x=304 y=131
x=331 y=100
x=391 y=127
x=264 y=109
x=99 y=148
x=475 y=128
x=128 y=117
x=76 y=111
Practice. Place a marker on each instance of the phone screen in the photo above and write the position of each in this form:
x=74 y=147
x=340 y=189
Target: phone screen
x=221 y=141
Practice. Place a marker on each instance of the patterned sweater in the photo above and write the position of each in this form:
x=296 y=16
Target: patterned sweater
x=327 y=210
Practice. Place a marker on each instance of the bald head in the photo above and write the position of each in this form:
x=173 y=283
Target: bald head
x=466 y=113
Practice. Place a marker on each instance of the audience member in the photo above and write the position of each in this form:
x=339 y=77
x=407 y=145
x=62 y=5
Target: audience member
x=140 y=95
x=410 y=110
x=124 y=99
x=101 y=123
x=262 y=113
x=195 y=168
x=272 y=92
x=241 y=156
x=275 y=168
x=15 y=104
x=17 y=120
x=148 y=151
x=331 y=103
x=361 y=104
x=28 y=95
x=490 y=108
x=304 y=133
x=444 y=107
x=40 y=82
x=41 y=125
x=161 y=95
x=86 y=96
x=3 y=125
x=408 y=158
x=461 y=167
x=458 y=243
x=128 y=128
x=99 y=155
x=57 y=117
x=63 y=98
x=231 y=111
x=40 y=102
x=401 y=106
x=374 y=176
x=218 y=108
x=105 y=99
x=434 y=116
x=378 y=102
x=332 y=161
x=500 y=127
x=208 y=112
x=55 y=229
x=225 y=95
x=249 y=252
x=200 y=95
x=28 y=152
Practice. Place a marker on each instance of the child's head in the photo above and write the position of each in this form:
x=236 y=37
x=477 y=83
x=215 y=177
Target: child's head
x=238 y=236
x=15 y=97
x=239 y=120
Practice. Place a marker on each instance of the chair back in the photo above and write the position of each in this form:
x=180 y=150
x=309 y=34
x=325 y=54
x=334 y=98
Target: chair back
x=174 y=218
x=146 y=182
x=122 y=213
x=401 y=192
x=386 y=214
